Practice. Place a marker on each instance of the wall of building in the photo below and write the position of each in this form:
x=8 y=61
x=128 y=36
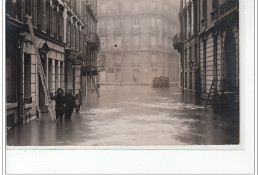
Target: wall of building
x=141 y=33
x=214 y=26
x=63 y=31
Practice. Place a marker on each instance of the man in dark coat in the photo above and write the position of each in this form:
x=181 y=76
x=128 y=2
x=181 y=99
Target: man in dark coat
x=70 y=104
x=60 y=104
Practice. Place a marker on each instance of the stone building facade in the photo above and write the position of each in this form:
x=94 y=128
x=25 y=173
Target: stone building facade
x=136 y=40
x=209 y=47
x=62 y=29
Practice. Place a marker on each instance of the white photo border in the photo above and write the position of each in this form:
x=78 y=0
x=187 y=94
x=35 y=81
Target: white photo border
x=154 y=160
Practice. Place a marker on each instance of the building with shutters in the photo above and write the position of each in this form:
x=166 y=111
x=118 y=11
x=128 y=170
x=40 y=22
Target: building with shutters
x=136 y=40
x=63 y=30
x=209 y=48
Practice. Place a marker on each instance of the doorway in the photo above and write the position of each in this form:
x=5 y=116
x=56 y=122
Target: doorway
x=230 y=63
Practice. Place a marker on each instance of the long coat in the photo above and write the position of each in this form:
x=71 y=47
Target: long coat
x=70 y=104
x=60 y=102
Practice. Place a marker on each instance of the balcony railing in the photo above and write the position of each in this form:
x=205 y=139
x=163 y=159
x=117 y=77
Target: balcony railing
x=203 y=23
x=94 y=39
x=214 y=15
x=224 y=9
x=228 y=6
x=177 y=42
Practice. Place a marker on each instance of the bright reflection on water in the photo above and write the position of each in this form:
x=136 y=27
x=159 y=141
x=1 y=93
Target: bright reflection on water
x=134 y=115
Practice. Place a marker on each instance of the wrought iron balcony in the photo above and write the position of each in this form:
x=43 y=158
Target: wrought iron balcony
x=94 y=40
x=177 y=42
x=224 y=9
x=203 y=23
x=227 y=7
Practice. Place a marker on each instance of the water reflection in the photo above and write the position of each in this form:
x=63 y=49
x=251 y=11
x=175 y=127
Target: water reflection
x=134 y=115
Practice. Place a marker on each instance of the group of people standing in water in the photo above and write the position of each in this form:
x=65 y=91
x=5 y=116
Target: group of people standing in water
x=65 y=104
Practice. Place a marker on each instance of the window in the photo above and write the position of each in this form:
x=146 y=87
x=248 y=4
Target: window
x=136 y=41
x=50 y=75
x=118 y=74
x=103 y=41
x=136 y=59
x=135 y=75
x=68 y=33
x=190 y=53
x=57 y=75
x=204 y=8
x=103 y=8
x=153 y=40
x=136 y=22
x=185 y=85
x=62 y=75
x=136 y=6
x=153 y=5
x=154 y=73
x=81 y=41
x=118 y=24
x=119 y=41
x=54 y=9
x=195 y=53
x=214 y=4
x=27 y=75
x=190 y=80
x=153 y=22
x=77 y=38
x=73 y=36
x=104 y=23
x=51 y=21
x=185 y=57
x=153 y=59
x=195 y=17
x=40 y=14
x=61 y=26
x=47 y=17
x=119 y=7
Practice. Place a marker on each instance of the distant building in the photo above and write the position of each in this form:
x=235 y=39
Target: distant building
x=209 y=47
x=64 y=31
x=136 y=40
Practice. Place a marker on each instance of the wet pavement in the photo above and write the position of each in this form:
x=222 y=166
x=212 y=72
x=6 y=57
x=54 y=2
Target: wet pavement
x=133 y=116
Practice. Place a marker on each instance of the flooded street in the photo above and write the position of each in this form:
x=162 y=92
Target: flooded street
x=133 y=116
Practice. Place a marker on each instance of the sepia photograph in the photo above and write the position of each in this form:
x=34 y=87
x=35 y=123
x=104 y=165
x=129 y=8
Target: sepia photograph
x=122 y=72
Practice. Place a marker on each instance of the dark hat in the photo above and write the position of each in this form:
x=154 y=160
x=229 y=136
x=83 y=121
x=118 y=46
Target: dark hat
x=59 y=89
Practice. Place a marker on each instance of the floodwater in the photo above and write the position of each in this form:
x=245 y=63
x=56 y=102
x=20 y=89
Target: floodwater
x=133 y=116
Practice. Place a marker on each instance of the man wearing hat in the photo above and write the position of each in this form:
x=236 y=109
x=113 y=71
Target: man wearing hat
x=60 y=104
